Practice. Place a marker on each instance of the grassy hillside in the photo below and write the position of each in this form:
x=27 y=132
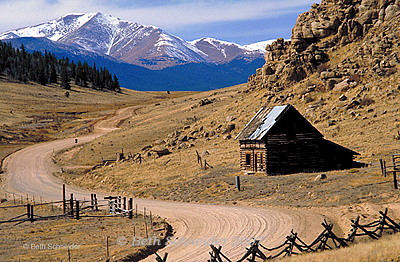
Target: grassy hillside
x=201 y=122
x=205 y=120
x=370 y=130
x=31 y=113
x=352 y=98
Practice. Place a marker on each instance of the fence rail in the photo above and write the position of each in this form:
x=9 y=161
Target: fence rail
x=293 y=245
x=117 y=206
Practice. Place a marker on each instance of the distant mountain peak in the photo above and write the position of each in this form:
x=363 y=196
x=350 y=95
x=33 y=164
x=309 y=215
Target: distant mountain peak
x=221 y=51
x=147 y=46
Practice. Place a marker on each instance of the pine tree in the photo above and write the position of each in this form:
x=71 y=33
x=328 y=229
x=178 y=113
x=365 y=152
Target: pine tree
x=115 y=85
x=53 y=74
x=18 y=64
x=64 y=78
x=42 y=78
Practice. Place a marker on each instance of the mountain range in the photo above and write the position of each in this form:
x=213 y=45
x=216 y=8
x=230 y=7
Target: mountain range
x=143 y=57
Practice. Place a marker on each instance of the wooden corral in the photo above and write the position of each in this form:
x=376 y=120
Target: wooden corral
x=280 y=140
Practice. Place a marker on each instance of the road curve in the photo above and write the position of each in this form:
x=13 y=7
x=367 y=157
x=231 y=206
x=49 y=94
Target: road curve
x=29 y=171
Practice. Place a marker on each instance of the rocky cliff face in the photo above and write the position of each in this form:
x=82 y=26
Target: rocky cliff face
x=323 y=32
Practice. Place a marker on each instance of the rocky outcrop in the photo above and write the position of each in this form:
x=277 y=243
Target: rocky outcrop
x=323 y=29
x=285 y=64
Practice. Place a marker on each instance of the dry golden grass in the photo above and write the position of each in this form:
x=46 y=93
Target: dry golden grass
x=369 y=129
x=87 y=237
x=386 y=249
x=19 y=101
x=31 y=113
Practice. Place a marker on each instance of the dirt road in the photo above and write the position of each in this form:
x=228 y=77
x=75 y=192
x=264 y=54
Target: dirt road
x=29 y=171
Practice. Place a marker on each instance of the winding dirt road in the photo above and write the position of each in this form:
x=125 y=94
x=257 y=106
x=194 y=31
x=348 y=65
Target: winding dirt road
x=29 y=171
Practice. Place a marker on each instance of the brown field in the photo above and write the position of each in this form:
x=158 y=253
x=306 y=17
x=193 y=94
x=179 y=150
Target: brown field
x=31 y=113
x=48 y=240
x=369 y=129
x=386 y=249
x=188 y=123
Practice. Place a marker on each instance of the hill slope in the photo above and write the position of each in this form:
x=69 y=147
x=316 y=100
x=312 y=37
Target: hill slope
x=344 y=80
x=358 y=110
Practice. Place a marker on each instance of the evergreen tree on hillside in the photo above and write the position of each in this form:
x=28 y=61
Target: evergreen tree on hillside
x=19 y=65
x=64 y=78
x=116 y=86
x=53 y=74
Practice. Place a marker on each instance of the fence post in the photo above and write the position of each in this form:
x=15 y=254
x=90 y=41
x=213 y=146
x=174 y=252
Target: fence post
x=108 y=253
x=396 y=186
x=32 y=219
x=124 y=203
x=77 y=209
x=71 y=204
x=384 y=168
x=130 y=204
x=28 y=210
x=238 y=182
x=64 y=204
x=151 y=220
x=92 y=200
x=95 y=202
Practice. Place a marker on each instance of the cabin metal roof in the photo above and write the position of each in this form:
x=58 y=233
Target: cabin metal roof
x=262 y=123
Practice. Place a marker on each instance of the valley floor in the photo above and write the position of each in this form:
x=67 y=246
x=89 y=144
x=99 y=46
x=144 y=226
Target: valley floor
x=203 y=122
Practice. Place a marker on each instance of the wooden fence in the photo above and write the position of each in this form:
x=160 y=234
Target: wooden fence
x=393 y=169
x=326 y=240
x=74 y=208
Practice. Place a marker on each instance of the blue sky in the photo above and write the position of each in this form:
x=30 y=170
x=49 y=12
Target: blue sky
x=240 y=21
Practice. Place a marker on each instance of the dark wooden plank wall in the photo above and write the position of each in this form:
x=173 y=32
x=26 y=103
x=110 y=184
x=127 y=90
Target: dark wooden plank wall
x=293 y=158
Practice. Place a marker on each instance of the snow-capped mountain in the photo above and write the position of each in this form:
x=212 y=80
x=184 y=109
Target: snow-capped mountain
x=222 y=52
x=259 y=46
x=134 y=43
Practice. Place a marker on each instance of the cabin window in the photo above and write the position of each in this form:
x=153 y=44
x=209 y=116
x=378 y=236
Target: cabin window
x=248 y=159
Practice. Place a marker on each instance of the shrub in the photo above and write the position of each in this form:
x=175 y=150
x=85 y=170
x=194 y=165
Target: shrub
x=366 y=101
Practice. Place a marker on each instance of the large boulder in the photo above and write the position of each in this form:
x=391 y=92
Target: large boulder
x=392 y=11
x=368 y=5
x=161 y=151
x=368 y=17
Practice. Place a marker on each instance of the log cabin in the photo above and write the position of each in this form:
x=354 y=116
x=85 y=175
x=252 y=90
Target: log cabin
x=279 y=140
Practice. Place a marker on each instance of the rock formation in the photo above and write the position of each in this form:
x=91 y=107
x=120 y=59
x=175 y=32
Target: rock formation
x=325 y=28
